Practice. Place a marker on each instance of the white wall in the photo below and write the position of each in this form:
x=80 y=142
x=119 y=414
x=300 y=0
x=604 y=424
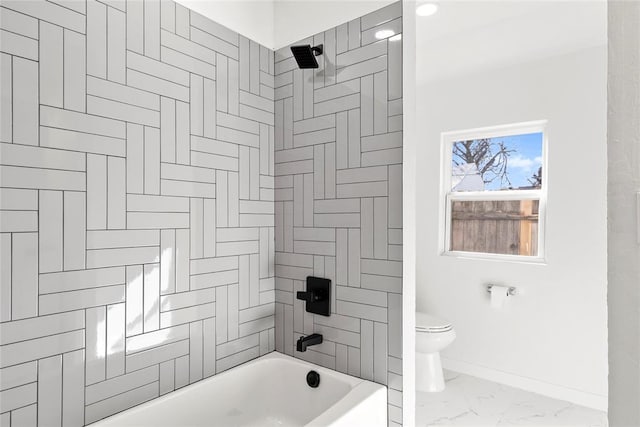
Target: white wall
x=299 y=19
x=552 y=336
x=251 y=18
x=624 y=184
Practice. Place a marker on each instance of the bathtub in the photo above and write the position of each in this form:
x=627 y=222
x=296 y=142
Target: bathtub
x=269 y=391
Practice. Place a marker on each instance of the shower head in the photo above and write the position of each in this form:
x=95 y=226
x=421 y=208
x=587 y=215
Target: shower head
x=306 y=55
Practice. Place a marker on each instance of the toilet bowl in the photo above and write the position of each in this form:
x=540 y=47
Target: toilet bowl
x=433 y=334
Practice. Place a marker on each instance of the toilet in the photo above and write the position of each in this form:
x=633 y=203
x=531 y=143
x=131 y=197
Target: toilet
x=433 y=334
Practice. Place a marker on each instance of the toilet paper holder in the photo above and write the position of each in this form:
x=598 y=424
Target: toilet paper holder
x=512 y=289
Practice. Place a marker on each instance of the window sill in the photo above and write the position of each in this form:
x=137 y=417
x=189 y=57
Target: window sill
x=478 y=256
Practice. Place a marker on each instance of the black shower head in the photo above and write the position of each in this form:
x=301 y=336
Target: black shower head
x=306 y=55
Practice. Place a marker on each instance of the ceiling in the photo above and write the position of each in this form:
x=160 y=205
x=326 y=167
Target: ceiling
x=467 y=36
x=463 y=36
x=251 y=18
x=278 y=23
x=298 y=19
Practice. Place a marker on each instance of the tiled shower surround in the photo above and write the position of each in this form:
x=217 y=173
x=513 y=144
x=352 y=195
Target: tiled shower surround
x=137 y=205
x=142 y=147
x=338 y=209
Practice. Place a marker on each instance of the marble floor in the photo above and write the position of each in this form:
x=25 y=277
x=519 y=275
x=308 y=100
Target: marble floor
x=470 y=402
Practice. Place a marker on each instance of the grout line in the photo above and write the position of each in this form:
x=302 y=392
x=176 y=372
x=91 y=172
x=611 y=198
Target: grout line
x=120 y=101
x=124 y=392
x=64 y=332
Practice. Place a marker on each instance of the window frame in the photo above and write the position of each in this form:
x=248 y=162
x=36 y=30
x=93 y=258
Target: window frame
x=447 y=197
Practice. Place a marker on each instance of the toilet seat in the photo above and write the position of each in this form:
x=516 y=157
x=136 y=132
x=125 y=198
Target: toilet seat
x=431 y=324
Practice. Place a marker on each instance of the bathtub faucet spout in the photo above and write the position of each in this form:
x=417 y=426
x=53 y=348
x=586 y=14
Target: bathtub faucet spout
x=304 y=342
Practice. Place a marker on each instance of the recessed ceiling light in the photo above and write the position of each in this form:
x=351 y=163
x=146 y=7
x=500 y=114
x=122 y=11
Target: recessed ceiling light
x=427 y=9
x=383 y=34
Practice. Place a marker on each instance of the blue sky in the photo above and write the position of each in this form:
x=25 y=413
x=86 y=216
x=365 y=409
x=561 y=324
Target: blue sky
x=523 y=162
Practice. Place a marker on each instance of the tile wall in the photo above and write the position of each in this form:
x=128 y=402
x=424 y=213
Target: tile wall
x=338 y=192
x=137 y=214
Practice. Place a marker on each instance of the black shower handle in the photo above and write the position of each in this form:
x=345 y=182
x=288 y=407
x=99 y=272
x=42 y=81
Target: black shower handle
x=309 y=296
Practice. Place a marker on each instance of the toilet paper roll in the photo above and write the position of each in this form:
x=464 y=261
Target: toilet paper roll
x=498 y=295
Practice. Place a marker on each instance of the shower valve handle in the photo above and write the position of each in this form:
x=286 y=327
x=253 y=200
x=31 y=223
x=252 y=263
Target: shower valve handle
x=317 y=296
x=309 y=296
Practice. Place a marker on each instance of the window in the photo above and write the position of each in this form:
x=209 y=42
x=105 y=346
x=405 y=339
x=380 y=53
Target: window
x=494 y=191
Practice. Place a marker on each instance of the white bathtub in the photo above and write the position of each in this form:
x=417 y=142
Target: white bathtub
x=269 y=391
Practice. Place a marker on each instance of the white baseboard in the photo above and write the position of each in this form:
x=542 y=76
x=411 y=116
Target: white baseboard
x=555 y=391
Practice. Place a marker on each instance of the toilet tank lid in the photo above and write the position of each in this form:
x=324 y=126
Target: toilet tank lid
x=429 y=321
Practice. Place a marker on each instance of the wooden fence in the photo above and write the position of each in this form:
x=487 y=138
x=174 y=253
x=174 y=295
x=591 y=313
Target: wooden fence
x=498 y=227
